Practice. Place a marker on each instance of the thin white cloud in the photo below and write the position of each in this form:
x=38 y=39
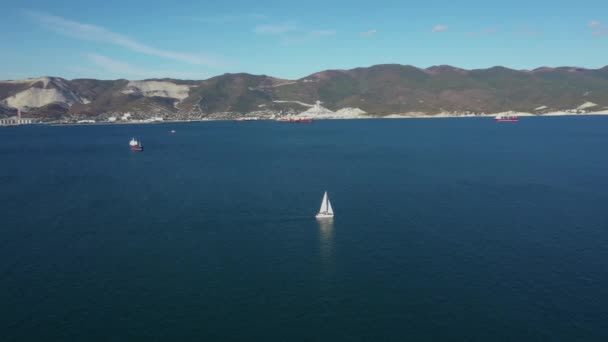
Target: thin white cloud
x=100 y=34
x=290 y=33
x=121 y=69
x=439 y=28
x=226 y=18
x=598 y=29
x=300 y=37
x=368 y=33
x=275 y=28
x=601 y=33
x=322 y=33
x=528 y=31
x=484 y=32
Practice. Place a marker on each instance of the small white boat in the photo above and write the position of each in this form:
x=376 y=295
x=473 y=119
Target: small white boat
x=326 y=211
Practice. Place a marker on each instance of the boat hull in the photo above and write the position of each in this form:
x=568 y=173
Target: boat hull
x=324 y=216
x=137 y=148
x=507 y=120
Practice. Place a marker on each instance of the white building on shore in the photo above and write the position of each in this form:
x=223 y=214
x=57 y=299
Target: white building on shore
x=16 y=120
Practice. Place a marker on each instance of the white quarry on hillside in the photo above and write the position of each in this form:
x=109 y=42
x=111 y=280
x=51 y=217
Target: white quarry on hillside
x=350 y=112
x=55 y=90
x=319 y=112
x=158 y=88
x=587 y=105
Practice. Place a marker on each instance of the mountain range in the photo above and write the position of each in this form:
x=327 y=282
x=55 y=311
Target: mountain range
x=378 y=90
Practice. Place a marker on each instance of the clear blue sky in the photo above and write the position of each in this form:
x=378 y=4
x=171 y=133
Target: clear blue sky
x=201 y=39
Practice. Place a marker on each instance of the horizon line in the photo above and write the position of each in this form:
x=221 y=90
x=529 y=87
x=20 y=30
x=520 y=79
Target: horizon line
x=540 y=68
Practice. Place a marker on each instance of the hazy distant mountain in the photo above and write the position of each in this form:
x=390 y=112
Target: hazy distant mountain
x=378 y=90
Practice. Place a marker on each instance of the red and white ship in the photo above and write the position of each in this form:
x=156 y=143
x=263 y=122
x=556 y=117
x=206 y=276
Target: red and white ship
x=506 y=118
x=136 y=145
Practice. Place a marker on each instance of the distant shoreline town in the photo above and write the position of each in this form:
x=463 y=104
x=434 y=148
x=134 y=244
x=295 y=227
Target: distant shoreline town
x=160 y=120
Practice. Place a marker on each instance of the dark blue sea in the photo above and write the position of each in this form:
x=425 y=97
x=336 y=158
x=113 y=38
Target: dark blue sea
x=445 y=230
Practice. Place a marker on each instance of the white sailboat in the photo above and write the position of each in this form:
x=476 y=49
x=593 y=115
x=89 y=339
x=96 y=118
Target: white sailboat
x=326 y=210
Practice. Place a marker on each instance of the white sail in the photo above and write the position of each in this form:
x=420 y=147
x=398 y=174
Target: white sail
x=329 y=208
x=323 y=208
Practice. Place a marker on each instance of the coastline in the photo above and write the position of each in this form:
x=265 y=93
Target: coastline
x=450 y=115
x=411 y=115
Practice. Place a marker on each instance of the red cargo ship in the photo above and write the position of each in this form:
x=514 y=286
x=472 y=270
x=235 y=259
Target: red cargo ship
x=136 y=145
